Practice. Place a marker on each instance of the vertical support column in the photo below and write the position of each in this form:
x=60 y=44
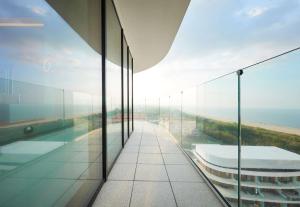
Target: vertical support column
x=104 y=112
x=122 y=88
x=239 y=73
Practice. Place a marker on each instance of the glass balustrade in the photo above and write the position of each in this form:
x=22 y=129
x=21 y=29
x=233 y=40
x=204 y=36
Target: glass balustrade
x=204 y=121
x=270 y=107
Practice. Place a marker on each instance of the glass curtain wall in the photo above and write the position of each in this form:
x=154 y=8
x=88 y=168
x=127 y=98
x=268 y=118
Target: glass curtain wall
x=50 y=106
x=125 y=89
x=113 y=85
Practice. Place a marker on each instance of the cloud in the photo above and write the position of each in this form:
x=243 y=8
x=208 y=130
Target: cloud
x=39 y=10
x=253 y=12
x=257 y=11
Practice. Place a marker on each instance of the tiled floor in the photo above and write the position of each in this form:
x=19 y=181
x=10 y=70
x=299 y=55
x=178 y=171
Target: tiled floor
x=152 y=171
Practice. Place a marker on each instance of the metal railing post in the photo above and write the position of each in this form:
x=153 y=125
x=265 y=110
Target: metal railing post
x=239 y=73
x=169 y=114
x=181 y=117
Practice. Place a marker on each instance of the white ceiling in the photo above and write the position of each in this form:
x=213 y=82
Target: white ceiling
x=150 y=27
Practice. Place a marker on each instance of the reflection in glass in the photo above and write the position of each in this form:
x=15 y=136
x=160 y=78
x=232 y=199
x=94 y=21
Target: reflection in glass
x=50 y=109
x=130 y=93
x=125 y=89
x=113 y=78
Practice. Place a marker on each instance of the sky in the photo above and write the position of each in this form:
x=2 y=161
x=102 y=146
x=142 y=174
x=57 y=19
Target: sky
x=220 y=36
x=216 y=37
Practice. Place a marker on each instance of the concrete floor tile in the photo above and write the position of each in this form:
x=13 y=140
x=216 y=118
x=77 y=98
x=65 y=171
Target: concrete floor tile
x=149 y=149
x=175 y=159
x=114 y=194
x=148 y=172
x=150 y=158
x=194 y=194
x=122 y=172
x=152 y=194
x=126 y=157
x=185 y=173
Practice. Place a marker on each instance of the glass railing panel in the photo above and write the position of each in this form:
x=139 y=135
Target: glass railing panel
x=189 y=117
x=214 y=143
x=175 y=116
x=140 y=108
x=271 y=133
x=50 y=129
x=164 y=111
x=152 y=110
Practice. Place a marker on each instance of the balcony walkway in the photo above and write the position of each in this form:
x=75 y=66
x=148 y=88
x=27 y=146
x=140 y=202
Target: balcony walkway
x=152 y=171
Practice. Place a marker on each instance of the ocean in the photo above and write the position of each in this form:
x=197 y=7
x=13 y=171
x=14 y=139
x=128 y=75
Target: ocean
x=278 y=117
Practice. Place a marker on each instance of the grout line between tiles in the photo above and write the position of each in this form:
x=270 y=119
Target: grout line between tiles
x=139 y=146
x=166 y=170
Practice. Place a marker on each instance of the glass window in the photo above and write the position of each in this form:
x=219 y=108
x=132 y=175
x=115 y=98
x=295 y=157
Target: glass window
x=125 y=88
x=130 y=93
x=113 y=86
x=50 y=108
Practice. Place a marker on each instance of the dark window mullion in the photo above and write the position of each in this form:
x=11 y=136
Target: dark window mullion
x=132 y=119
x=128 y=97
x=122 y=87
x=104 y=112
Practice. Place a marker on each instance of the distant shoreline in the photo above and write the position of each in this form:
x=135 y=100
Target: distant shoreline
x=283 y=129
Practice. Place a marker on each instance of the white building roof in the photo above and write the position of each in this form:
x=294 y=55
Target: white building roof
x=253 y=157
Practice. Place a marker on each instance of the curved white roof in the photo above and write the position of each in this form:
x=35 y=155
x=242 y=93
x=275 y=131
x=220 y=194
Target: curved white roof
x=253 y=157
x=150 y=27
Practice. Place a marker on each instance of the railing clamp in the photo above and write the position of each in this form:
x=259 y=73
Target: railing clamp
x=239 y=72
